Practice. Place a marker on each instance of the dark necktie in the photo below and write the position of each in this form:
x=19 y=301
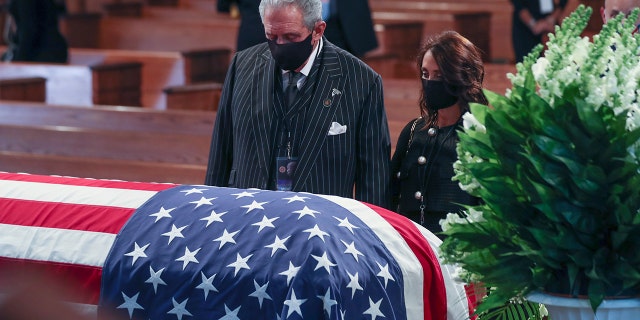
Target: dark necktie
x=292 y=88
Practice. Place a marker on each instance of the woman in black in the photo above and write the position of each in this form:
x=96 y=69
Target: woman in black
x=422 y=165
x=34 y=34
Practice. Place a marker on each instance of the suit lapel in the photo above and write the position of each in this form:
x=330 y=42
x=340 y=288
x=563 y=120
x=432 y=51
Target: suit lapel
x=323 y=100
x=262 y=97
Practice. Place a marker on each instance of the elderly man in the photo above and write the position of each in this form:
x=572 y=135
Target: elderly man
x=299 y=101
x=612 y=8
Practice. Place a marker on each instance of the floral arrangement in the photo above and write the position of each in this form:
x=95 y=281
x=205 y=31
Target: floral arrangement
x=556 y=162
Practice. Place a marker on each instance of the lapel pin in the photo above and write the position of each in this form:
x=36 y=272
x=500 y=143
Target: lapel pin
x=334 y=92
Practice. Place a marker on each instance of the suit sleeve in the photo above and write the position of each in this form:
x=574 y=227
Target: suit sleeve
x=374 y=149
x=221 y=151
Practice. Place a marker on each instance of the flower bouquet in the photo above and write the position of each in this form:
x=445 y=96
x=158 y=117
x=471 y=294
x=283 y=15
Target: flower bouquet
x=556 y=162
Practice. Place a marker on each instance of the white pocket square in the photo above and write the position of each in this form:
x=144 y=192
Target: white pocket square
x=337 y=128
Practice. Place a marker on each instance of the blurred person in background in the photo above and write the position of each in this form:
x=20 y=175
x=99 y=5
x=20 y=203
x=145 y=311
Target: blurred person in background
x=532 y=20
x=32 y=31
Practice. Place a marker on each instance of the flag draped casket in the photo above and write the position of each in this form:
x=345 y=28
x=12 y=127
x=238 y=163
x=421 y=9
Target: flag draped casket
x=163 y=251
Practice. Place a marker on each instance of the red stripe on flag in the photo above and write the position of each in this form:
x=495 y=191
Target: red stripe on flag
x=116 y=184
x=83 y=282
x=63 y=215
x=434 y=291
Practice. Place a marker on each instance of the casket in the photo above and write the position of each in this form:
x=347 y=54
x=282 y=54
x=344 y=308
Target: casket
x=136 y=250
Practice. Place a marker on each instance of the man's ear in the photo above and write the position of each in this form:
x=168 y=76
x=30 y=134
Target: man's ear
x=318 y=30
x=604 y=18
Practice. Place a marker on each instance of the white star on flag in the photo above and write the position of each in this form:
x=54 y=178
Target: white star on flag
x=295 y=198
x=192 y=190
x=230 y=314
x=174 y=233
x=189 y=256
x=137 y=252
x=261 y=292
x=130 y=303
x=163 y=213
x=179 y=309
x=351 y=249
x=353 y=283
x=294 y=304
x=345 y=223
x=253 y=205
x=327 y=302
x=243 y=194
x=324 y=262
x=277 y=244
x=226 y=237
x=240 y=263
x=384 y=273
x=374 y=309
x=202 y=201
x=316 y=232
x=207 y=284
x=305 y=212
x=290 y=273
x=265 y=222
x=154 y=278
x=213 y=217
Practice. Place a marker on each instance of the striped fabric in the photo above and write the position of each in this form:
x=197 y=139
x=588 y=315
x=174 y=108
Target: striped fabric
x=341 y=89
x=71 y=227
x=65 y=225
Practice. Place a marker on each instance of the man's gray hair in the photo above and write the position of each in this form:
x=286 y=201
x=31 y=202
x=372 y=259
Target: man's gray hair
x=311 y=9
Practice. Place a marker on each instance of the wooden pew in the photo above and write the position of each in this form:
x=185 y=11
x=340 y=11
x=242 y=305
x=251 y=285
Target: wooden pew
x=487 y=23
x=105 y=142
x=163 y=69
x=201 y=96
x=123 y=9
x=108 y=118
x=81 y=84
x=23 y=89
x=473 y=25
x=102 y=168
x=81 y=29
x=115 y=71
x=167 y=34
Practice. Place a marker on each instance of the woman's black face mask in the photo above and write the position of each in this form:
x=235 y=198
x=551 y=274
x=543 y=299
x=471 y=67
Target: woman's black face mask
x=290 y=56
x=436 y=94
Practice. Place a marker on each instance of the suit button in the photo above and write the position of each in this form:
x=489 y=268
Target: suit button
x=417 y=195
x=398 y=174
x=422 y=160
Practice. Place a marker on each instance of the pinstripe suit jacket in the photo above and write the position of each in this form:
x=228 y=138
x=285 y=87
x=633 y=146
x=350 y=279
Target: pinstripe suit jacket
x=355 y=163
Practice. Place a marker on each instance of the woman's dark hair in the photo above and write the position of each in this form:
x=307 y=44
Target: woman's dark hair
x=461 y=68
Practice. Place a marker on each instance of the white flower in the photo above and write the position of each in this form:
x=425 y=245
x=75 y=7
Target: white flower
x=539 y=69
x=469 y=121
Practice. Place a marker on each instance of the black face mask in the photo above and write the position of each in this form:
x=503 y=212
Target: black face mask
x=290 y=56
x=436 y=95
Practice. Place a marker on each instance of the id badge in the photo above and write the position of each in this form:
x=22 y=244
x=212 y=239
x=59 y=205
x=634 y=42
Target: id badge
x=286 y=170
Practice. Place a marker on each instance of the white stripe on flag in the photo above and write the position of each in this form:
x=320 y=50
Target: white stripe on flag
x=50 y=192
x=55 y=245
x=404 y=256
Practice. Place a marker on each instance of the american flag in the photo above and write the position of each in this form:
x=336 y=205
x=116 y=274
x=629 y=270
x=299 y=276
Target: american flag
x=164 y=251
